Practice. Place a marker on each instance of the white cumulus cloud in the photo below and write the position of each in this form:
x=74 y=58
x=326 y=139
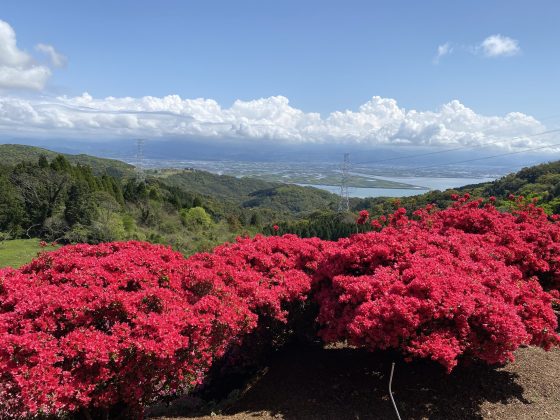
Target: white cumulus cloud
x=18 y=70
x=380 y=121
x=499 y=45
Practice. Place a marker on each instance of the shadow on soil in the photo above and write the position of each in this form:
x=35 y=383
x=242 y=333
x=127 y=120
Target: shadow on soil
x=343 y=383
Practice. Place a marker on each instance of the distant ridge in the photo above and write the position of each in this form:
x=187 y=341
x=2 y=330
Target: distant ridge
x=11 y=154
x=230 y=191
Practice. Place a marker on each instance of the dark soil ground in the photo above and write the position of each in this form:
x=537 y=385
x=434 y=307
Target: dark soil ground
x=343 y=383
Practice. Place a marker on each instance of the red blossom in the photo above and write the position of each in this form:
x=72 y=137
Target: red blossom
x=458 y=282
x=95 y=326
x=363 y=217
x=119 y=314
x=375 y=224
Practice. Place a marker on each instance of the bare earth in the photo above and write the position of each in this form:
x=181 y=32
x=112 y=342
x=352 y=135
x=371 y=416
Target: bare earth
x=342 y=383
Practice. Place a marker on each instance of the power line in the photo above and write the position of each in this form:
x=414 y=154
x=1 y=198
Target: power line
x=487 y=157
x=459 y=148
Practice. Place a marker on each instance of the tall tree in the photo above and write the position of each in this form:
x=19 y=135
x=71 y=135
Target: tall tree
x=79 y=206
x=11 y=207
x=42 y=191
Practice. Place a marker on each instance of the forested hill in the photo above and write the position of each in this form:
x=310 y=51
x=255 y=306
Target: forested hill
x=251 y=192
x=45 y=195
x=79 y=198
x=11 y=154
x=541 y=181
x=222 y=190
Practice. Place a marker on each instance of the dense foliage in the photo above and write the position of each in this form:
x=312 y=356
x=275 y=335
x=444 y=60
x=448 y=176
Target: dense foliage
x=111 y=327
x=79 y=198
x=97 y=326
x=13 y=154
x=58 y=201
x=458 y=282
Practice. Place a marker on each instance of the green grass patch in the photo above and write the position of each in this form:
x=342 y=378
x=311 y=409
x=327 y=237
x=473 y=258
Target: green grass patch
x=18 y=252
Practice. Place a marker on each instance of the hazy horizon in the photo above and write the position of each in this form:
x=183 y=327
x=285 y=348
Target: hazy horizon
x=448 y=84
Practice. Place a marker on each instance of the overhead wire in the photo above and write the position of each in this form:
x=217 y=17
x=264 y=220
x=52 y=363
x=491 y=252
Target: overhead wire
x=530 y=149
x=437 y=152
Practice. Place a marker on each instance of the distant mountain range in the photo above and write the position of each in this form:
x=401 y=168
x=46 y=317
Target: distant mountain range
x=401 y=156
x=541 y=181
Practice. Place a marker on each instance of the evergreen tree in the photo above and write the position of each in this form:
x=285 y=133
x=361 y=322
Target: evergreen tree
x=197 y=202
x=11 y=207
x=43 y=162
x=79 y=207
x=61 y=164
x=256 y=219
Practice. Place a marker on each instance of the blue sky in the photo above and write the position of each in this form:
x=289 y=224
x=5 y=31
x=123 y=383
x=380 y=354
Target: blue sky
x=323 y=56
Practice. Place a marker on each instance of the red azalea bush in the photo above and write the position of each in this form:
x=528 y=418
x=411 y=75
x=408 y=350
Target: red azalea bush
x=116 y=326
x=273 y=276
x=431 y=296
x=438 y=286
x=525 y=237
x=268 y=273
x=363 y=217
x=98 y=326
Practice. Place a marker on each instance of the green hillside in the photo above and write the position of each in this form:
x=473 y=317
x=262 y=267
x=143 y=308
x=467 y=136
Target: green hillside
x=68 y=199
x=11 y=154
x=539 y=181
x=251 y=192
x=80 y=198
x=206 y=183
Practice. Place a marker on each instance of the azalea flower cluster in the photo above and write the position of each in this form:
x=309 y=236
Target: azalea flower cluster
x=526 y=238
x=123 y=324
x=267 y=273
x=95 y=326
x=462 y=282
x=273 y=276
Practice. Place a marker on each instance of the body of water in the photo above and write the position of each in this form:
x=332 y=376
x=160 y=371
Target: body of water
x=430 y=183
x=264 y=169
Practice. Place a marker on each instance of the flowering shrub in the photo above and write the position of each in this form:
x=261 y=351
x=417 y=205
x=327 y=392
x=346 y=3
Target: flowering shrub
x=525 y=238
x=97 y=326
x=273 y=276
x=431 y=296
x=118 y=325
x=268 y=273
x=362 y=217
